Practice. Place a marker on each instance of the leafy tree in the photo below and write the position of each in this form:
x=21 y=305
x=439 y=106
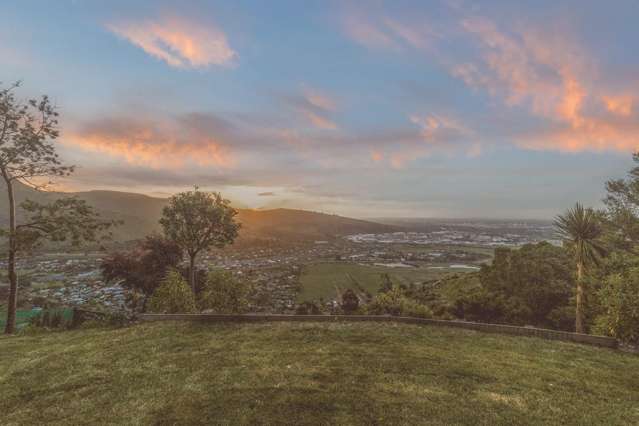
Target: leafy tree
x=28 y=156
x=581 y=230
x=197 y=221
x=225 y=294
x=622 y=208
x=143 y=268
x=350 y=302
x=173 y=296
x=620 y=299
x=528 y=286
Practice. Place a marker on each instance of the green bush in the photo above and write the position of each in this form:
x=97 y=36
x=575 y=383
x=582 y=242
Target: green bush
x=224 y=294
x=173 y=296
x=50 y=318
x=619 y=298
x=308 y=308
x=394 y=302
x=350 y=302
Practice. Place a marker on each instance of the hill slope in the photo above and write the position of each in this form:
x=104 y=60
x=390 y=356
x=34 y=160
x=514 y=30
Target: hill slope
x=305 y=373
x=140 y=214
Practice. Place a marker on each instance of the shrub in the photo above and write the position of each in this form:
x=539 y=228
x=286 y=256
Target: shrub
x=49 y=318
x=173 y=295
x=619 y=298
x=308 y=308
x=394 y=302
x=142 y=268
x=350 y=302
x=224 y=294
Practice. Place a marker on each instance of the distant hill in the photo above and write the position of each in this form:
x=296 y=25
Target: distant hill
x=140 y=214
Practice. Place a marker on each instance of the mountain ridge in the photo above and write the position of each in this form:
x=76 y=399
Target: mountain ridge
x=140 y=214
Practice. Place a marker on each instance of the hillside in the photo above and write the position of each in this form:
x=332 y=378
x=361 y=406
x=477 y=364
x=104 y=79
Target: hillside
x=305 y=373
x=140 y=214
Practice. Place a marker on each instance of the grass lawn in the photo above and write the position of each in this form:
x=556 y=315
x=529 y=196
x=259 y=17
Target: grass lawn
x=319 y=280
x=359 y=373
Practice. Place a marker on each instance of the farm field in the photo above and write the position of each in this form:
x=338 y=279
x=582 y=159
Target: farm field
x=311 y=373
x=319 y=280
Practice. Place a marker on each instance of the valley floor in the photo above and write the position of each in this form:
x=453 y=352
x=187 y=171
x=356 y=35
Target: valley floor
x=304 y=373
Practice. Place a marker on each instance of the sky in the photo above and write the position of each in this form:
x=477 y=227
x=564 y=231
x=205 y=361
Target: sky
x=447 y=108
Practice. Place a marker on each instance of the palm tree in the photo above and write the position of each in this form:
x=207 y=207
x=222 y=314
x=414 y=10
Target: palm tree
x=580 y=229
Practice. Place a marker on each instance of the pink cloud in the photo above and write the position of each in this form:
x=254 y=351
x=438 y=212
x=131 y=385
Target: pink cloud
x=151 y=142
x=556 y=80
x=177 y=41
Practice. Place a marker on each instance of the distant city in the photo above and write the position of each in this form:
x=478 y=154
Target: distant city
x=476 y=233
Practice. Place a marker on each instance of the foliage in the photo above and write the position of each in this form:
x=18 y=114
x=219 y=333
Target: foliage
x=527 y=286
x=394 y=302
x=50 y=318
x=173 y=296
x=581 y=231
x=308 y=308
x=622 y=208
x=224 y=294
x=350 y=302
x=619 y=298
x=197 y=221
x=143 y=268
x=28 y=156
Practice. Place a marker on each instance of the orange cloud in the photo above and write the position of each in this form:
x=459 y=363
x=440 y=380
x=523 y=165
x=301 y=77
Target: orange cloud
x=178 y=42
x=556 y=80
x=620 y=105
x=152 y=144
x=437 y=133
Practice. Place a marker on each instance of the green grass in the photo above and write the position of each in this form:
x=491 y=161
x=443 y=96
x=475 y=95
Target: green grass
x=305 y=373
x=319 y=280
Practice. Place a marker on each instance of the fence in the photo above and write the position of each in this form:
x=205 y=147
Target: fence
x=608 y=342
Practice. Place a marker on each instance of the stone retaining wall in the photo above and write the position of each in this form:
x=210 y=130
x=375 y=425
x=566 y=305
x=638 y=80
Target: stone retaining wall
x=491 y=328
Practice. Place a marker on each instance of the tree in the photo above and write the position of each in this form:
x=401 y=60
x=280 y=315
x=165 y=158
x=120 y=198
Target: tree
x=580 y=229
x=225 y=294
x=622 y=208
x=350 y=302
x=28 y=156
x=619 y=298
x=531 y=285
x=143 y=268
x=197 y=221
x=173 y=296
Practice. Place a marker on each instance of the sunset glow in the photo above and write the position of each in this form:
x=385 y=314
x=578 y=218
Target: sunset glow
x=418 y=108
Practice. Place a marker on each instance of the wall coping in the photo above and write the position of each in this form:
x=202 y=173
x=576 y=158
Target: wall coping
x=543 y=333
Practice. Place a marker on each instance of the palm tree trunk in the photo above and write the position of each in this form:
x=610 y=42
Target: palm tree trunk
x=10 y=326
x=579 y=313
